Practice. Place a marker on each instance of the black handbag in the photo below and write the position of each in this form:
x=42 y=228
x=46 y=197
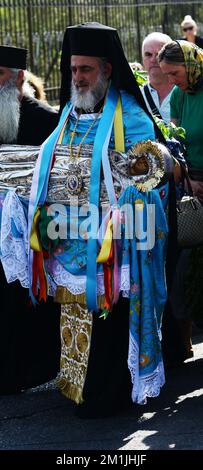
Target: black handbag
x=189 y=219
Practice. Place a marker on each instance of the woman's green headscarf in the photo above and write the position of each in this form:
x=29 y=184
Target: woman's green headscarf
x=193 y=58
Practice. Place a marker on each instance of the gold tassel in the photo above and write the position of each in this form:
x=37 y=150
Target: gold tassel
x=71 y=391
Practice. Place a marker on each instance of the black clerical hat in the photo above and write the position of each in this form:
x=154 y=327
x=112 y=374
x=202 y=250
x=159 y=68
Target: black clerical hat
x=13 y=57
x=97 y=40
x=90 y=39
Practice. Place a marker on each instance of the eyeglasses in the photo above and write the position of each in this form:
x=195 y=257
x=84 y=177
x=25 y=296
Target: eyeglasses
x=189 y=28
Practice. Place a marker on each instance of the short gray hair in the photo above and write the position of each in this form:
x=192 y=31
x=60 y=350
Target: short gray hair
x=156 y=36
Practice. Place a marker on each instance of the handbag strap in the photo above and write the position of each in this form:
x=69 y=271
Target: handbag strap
x=151 y=102
x=185 y=176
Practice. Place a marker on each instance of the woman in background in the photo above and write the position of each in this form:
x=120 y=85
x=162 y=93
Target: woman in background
x=182 y=62
x=189 y=31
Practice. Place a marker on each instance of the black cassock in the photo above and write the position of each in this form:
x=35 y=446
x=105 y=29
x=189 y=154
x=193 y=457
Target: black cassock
x=29 y=336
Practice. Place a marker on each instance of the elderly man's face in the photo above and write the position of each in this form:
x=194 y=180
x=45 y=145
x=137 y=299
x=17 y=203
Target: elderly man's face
x=5 y=74
x=90 y=78
x=150 y=53
x=85 y=72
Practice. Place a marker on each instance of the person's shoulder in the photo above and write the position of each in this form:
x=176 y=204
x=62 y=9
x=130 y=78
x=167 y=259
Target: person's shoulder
x=199 y=41
x=37 y=121
x=176 y=92
x=37 y=105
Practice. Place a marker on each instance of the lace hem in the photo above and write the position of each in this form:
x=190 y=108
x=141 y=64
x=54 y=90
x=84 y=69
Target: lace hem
x=59 y=276
x=143 y=387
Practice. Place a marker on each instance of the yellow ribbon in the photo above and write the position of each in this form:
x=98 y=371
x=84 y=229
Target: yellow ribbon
x=118 y=128
x=104 y=253
x=34 y=237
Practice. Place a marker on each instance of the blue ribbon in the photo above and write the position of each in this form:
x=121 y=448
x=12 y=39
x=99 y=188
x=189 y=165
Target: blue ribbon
x=40 y=182
x=100 y=148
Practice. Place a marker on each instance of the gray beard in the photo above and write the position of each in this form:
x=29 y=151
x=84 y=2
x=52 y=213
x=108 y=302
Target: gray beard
x=9 y=112
x=90 y=98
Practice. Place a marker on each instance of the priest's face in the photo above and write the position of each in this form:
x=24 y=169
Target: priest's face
x=9 y=106
x=90 y=78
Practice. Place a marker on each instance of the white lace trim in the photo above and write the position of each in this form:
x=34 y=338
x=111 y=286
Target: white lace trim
x=143 y=387
x=59 y=276
x=14 y=255
x=14 y=250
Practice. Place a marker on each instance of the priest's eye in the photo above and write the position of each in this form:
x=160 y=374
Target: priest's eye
x=86 y=69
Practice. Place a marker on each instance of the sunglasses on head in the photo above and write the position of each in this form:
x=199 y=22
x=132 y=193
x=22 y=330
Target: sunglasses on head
x=188 y=28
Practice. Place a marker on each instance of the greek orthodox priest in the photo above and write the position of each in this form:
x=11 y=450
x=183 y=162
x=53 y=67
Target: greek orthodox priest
x=111 y=286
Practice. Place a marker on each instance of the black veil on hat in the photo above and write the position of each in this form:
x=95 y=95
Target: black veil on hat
x=13 y=57
x=97 y=40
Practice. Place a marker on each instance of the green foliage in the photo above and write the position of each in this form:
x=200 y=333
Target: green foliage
x=141 y=77
x=169 y=130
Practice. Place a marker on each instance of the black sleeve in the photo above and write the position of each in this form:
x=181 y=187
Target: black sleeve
x=199 y=41
x=37 y=121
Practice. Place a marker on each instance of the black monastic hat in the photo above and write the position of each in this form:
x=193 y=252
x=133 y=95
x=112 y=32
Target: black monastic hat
x=90 y=39
x=13 y=57
x=98 y=40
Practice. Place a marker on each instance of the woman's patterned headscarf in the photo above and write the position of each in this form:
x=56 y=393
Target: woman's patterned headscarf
x=193 y=58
